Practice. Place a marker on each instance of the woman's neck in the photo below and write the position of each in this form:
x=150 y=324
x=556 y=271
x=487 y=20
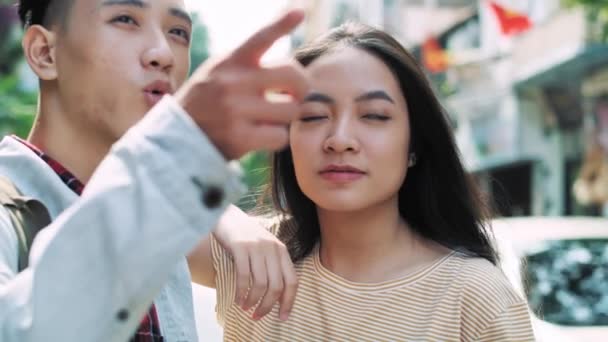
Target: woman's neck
x=372 y=245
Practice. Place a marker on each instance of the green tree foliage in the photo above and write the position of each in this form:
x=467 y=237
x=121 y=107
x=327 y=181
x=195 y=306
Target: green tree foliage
x=597 y=15
x=256 y=170
x=10 y=36
x=17 y=105
x=199 y=51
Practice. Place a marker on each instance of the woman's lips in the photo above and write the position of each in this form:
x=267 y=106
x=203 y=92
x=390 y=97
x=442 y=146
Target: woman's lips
x=341 y=173
x=341 y=176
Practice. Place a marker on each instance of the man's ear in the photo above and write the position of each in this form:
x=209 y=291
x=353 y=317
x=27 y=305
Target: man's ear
x=39 y=49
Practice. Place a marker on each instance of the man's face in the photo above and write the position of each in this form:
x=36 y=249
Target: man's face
x=116 y=58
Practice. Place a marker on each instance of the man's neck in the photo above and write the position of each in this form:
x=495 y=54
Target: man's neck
x=78 y=150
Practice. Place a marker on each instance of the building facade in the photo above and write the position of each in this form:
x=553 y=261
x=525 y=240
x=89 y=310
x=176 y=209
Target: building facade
x=523 y=105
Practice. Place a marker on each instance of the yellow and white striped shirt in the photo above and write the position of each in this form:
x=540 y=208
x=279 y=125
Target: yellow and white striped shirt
x=457 y=298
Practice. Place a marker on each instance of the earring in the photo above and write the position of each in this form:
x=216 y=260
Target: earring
x=411 y=162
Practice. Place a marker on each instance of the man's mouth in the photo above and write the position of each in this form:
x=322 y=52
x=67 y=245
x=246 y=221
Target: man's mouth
x=155 y=91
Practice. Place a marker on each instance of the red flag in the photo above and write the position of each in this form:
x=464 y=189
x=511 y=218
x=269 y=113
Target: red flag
x=434 y=57
x=511 y=22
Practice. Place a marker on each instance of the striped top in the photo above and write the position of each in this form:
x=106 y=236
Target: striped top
x=457 y=298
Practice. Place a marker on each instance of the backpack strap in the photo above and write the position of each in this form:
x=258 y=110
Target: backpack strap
x=28 y=216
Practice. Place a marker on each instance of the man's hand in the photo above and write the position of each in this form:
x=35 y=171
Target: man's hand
x=264 y=271
x=227 y=99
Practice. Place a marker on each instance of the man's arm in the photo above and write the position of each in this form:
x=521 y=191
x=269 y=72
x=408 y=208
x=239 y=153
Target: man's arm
x=200 y=262
x=264 y=271
x=95 y=270
x=236 y=86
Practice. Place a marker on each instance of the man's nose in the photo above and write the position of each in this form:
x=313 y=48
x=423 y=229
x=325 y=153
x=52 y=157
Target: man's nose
x=159 y=55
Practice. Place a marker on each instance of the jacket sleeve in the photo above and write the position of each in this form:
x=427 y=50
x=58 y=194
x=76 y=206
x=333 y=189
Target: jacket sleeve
x=96 y=269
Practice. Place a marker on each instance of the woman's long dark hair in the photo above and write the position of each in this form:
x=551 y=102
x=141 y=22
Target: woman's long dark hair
x=438 y=199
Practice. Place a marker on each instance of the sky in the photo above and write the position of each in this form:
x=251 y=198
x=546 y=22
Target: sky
x=230 y=22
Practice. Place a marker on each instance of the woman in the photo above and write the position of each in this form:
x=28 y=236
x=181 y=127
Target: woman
x=384 y=228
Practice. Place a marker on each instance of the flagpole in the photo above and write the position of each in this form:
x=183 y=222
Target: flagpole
x=430 y=6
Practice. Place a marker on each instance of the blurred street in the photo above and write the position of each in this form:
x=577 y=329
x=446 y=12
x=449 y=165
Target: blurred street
x=204 y=310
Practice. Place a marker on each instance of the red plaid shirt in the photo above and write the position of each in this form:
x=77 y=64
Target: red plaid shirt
x=149 y=329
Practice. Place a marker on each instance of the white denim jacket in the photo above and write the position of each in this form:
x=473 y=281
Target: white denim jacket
x=108 y=254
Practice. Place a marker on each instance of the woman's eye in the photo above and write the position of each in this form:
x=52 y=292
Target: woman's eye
x=375 y=116
x=311 y=118
x=124 y=19
x=181 y=33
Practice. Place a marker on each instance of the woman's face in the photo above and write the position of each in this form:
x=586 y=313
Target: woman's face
x=350 y=142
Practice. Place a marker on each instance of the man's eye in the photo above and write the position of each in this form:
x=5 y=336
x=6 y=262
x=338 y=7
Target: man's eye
x=124 y=19
x=181 y=33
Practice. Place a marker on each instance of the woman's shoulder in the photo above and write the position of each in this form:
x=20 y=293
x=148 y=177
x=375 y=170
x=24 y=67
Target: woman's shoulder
x=482 y=281
x=491 y=305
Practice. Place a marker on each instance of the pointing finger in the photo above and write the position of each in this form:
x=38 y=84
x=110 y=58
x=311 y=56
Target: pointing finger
x=252 y=50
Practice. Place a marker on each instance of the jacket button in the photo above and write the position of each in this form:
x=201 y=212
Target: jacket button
x=213 y=197
x=122 y=315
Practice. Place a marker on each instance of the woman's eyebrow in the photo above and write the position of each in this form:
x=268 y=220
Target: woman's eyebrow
x=134 y=3
x=318 y=97
x=375 y=95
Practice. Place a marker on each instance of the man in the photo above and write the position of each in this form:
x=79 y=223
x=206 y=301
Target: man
x=155 y=183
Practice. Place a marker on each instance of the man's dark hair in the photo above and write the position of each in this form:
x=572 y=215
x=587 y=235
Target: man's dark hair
x=43 y=12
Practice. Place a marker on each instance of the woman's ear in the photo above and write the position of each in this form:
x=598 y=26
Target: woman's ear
x=39 y=49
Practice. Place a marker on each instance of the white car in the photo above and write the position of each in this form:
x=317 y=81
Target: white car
x=561 y=264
